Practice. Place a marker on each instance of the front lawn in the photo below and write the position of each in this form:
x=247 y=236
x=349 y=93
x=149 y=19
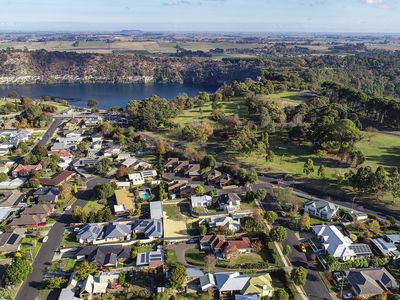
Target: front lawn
x=241 y=259
x=195 y=256
x=65 y=264
x=92 y=206
x=69 y=240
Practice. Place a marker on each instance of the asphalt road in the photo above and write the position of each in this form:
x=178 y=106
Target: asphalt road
x=314 y=287
x=50 y=131
x=35 y=281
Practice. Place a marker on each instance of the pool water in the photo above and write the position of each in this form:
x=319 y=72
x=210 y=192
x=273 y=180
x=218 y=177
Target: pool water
x=144 y=195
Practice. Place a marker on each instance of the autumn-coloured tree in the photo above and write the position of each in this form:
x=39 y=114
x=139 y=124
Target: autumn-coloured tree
x=256 y=246
x=160 y=147
x=121 y=172
x=65 y=192
x=231 y=251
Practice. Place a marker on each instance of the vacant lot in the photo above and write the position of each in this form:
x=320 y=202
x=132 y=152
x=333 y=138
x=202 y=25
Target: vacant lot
x=174 y=222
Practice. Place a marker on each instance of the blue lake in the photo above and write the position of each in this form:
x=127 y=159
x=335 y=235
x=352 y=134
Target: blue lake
x=108 y=94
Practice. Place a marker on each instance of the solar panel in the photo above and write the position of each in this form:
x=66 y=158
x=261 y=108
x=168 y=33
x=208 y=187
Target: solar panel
x=11 y=240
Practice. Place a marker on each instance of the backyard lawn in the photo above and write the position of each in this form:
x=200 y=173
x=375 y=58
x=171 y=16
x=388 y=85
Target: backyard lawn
x=66 y=264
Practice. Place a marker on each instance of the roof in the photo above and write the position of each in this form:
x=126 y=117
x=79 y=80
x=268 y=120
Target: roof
x=246 y=297
x=104 y=255
x=207 y=279
x=371 y=281
x=123 y=197
x=116 y=230
x=10 y=198
x=197 y=200
x=338 y=245
x=230 y=281
x=90 y=232
x=394 y=238
x=385 y=247
x=225 y=198
x=257 y=284
x=47 y=194
x=4 y=212
x=149 y=227
x=146 y=258
x=26 y=220
x=27 y=168
x=57 y=179
x=67 y=294
x=194 y=272
x=10 y=240
x=322 y=205
x=156 y=211
x=38 y=209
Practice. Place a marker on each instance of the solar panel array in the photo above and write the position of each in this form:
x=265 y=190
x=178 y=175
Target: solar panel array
x=360 y=248
x=11 y=240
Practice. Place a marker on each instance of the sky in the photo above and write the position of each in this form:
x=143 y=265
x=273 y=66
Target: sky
x=202 y=15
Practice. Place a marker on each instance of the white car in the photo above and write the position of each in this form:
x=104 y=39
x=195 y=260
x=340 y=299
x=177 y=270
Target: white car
x=282 y=213
x=68 y=207
x=45 y=239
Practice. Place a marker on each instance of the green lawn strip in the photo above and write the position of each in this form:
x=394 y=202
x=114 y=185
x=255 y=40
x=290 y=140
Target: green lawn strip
x=173 y=212
x=145 y=248
x=69 y=240
x=195 y=256
x=65 y=264
x=241 y=259
x=170 y=256
x=248 y=205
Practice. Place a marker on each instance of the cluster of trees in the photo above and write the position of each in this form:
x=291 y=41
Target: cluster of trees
x=199 y=132
x=82 y=216
x=378 y=182
x=17 y=271
x=34 y=114
x=125 y=137
x=243 y=176
x=333 y=265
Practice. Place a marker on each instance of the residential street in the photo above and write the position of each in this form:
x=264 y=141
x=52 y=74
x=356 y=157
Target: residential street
x=315 y=287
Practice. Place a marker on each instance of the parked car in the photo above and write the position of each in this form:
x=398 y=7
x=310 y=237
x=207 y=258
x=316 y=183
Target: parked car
x=303 y=248
x=282 y=213
x=67 y=208
x=45 y=239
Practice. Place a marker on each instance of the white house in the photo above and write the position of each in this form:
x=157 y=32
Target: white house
x=229 y=202
x=136 y=178
x=201 y=201
x=321 y=209
x=224 y=221
x=338 y=245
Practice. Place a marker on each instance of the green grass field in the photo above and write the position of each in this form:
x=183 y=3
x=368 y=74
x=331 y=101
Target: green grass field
x=195 y=256
x=92 y=206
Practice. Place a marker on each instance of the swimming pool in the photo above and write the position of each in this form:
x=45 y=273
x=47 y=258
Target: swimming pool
x=144 y=195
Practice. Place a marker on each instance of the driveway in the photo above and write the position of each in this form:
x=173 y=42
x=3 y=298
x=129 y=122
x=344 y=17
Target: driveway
x=180 y=250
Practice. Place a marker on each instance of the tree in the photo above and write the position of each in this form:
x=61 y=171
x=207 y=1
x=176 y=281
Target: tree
x=299 y=275
x=305 y=221
x=394 y=184
x=134 y=253
x=82 y=147
x=271 y=217
x=122 y=278
x=65 y=192
x=79 y=214
x=286 y=250
x=56 y=283
x=83 y=269
x=104 y=166
x=281 y=294
x=107 y=214
x=203 y=229
x=104 y=191
x=199 y=190
x=256 y=246
x=160 y=147
x=3 y=177
x=17 y=271
x=375 y=227
x=308 y=167
x=278 y=234
x=39 y=151
x=177 y=277
x=92 y=103
x=321 y=171
x=208 y=162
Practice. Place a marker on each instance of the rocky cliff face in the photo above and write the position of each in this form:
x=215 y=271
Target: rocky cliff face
x=18 y=67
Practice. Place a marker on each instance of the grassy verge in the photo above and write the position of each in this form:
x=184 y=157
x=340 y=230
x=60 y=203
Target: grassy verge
x=69 y=240
x=195 y=256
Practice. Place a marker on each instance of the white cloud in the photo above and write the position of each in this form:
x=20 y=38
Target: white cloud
x=376 y=3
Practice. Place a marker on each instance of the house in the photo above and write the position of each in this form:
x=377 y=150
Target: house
x=62 y=146
x=207 y=282
x=175 y=185
x=70 y=140
x=150 y=228
x=97 y=285
x=39 y=209
x=229 y=202
x=86 y=162
x=156 y=211
x=12 y=184
x=152 y=259
x=260 y=285
x=68 y=294
x=223 y=248
x=125 y=201
x=58 y=179
x=337 y=245
x=393 y=238
x=181 y=166
x=109 y=233
x=28 y=221
x=123 y=184
x=321 y=209
x=136 y=179
x=171 y=163
x=142 y=177
x=134 y=163
x=224 y=221
x=10 y=199
x=104 y=256
x=225 y=181
x=25 y=171
x=192 y=170
x=385 y=248
x=367 y=283
x=201 y=201
x=60 y=153
x=10 y=241
x=45 y=194
x=5 y=212
x=193 y=274
x=230 y=283
x=5 y=166
x=93 y=121
x=211 y=176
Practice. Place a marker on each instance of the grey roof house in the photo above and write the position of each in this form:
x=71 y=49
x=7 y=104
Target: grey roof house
x=104 y=256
